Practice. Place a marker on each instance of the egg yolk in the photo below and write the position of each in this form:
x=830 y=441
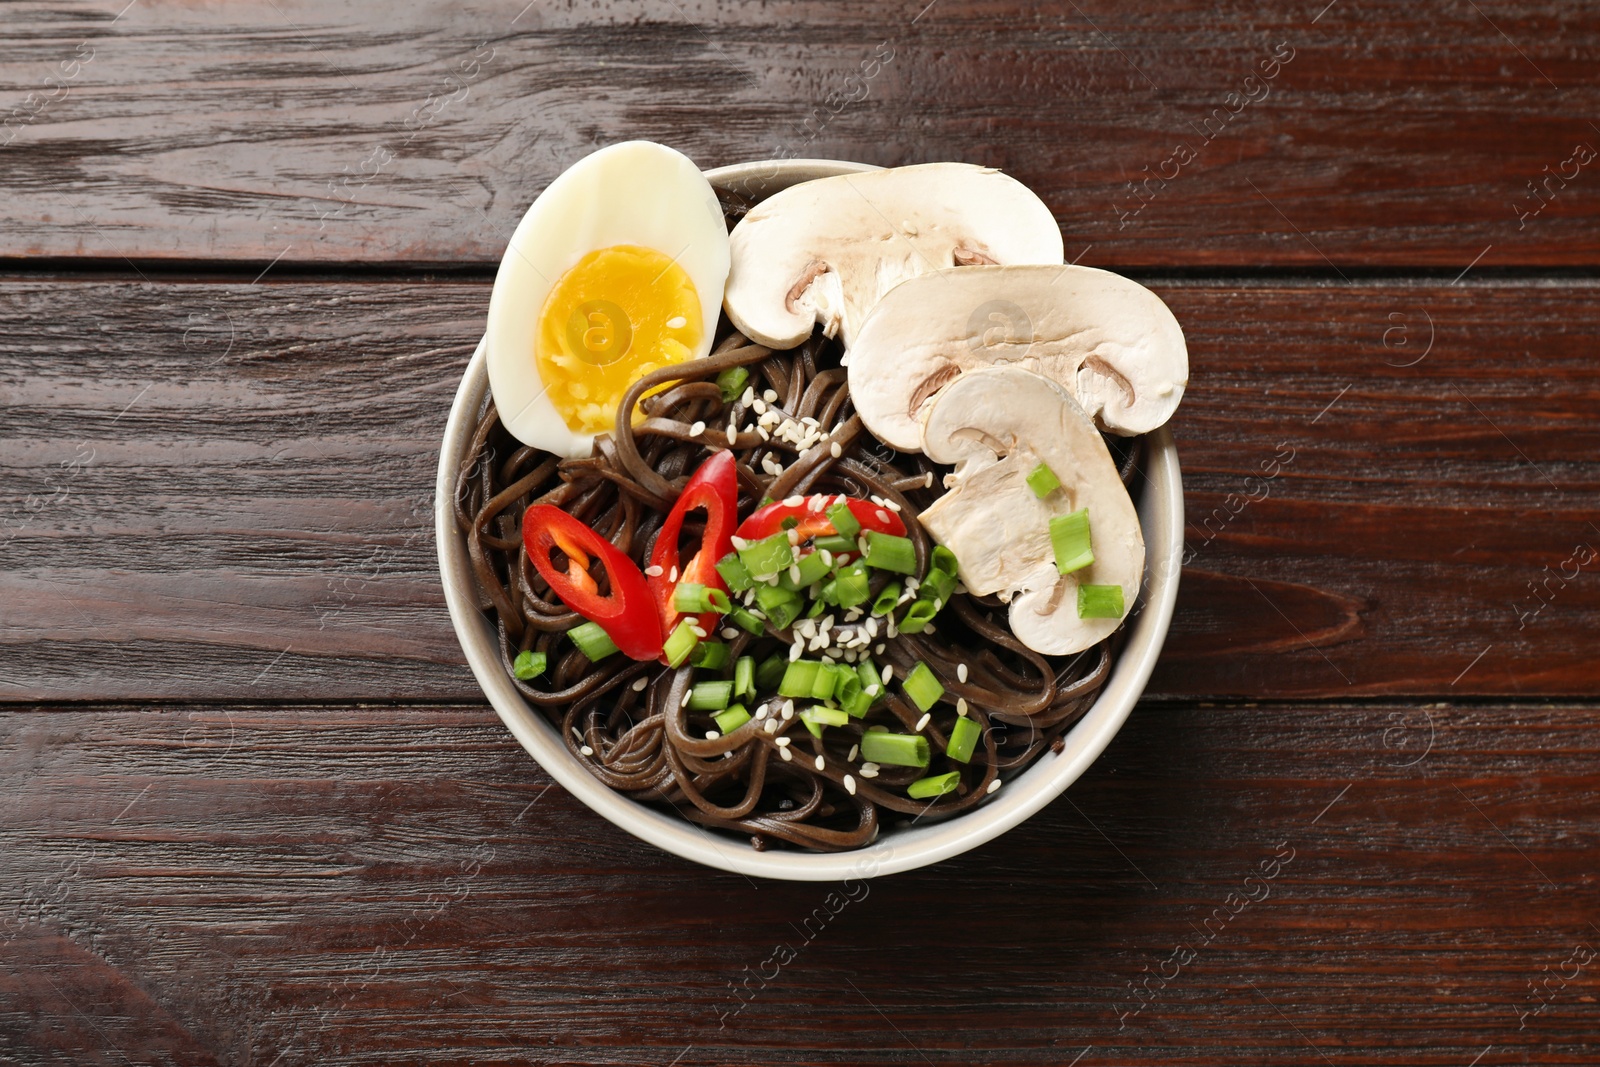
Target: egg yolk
x=617 y=315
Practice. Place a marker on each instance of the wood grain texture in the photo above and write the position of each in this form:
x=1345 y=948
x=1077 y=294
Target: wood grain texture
x=1389 y=133
x=313 y=885
x=223 y=491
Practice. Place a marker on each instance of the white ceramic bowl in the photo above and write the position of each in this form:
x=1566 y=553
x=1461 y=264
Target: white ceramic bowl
x=1160 y=512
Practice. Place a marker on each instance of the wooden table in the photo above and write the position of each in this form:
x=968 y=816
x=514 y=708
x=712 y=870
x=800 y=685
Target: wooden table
x=256 y=811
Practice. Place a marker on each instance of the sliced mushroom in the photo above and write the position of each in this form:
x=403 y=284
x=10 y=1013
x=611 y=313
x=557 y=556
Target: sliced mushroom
x=997 y=424
x=824 y=251
x=1112 y=342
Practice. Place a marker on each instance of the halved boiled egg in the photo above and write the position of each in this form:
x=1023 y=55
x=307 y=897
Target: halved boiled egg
x=617 y=269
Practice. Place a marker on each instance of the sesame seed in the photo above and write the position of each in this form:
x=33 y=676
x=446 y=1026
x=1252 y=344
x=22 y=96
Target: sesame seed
x=729 y=633
x=854 y=750
x=873 y=690
x=891 y=505
x=653 y=571
x=782 y=742
x=795 y=650
x=794 y=539
x=922 y=723
x=698 y=630
x=577 y=735
x=794 y=573
x=685 y=701
x=770 y=396
x=672 y=576
x=850 y=784
x=793 y=501
x=821 y=763
x=765 y=434
x=749 y=395
x=993 y=786
x=759 y=407
x=879 y=647
x=761 y=712
x=772 y=726
x=788 y=709
x=785 y=754
x=733 y=433
x=697 y=429
x=961 y=672
x=961 y=706
x=586 y=750
x=639 y=684
x=861 y=544
x=712 y=735
x=827 y=559
x=927 y=480
x=739 y=542
x=869 y=770
x=888 y=673
x=835 y=451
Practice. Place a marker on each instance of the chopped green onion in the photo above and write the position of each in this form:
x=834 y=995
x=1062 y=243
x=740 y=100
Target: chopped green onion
x=732 y=382
x=734 y=573
x=799 y=678
x=942 y=559
x=824 y=716
x=744 y=677
x=680 y=644
x=712 y=655
x=747 y=621
x=852 y=586
x=888 y=552
x=813 y=728
x=1069 y=536
x=870 y=676
x=824 y=681
x=592 y=641
x=936 y=786
x=780 y=606
x=1043 y=481
x=528 y=665
x=897 y=750
x=768 y=555
x=810 y=568
x=887 y=599
x=770 y=672
x=835 y=544
x=963 y=739
x=731 y=719
x=854 y=699
x=847 y=691
x=710 y=696
x=845 y=524
x=1100 y=602
x=788 y=522
x=922 y=687
x=816 y=608
x=695 y=599
x=919 y=615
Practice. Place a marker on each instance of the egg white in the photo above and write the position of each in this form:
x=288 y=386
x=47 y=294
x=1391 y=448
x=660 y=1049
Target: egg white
x=633 y=193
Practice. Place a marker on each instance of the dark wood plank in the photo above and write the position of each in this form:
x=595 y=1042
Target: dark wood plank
x=1389 y=134
x=306 y=885
x=250 y=516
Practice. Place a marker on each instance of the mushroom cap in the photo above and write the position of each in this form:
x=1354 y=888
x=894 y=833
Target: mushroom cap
x=997 y=424
x=824 y=251
x=1113 y=343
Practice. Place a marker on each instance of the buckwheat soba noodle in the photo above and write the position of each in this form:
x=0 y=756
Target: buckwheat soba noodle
x=629 y=722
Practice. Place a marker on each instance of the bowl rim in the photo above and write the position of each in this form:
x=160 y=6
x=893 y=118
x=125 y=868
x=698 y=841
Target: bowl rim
x=1160 y=507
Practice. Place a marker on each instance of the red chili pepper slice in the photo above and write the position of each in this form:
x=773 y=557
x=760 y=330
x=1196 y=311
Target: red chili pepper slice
x=714 y=488
x=812 y=518
x=626 y=613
